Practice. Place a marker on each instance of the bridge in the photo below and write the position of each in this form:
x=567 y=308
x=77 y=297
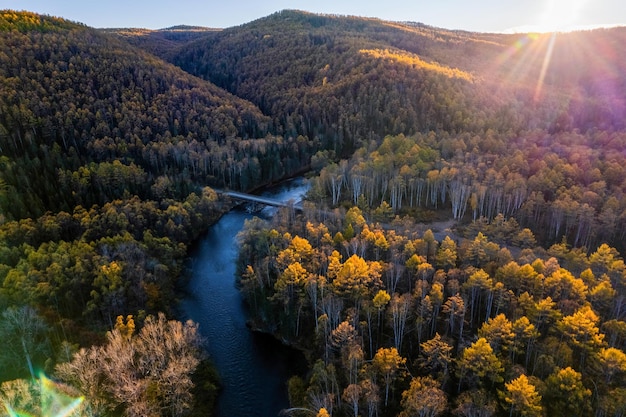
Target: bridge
x=259 y=200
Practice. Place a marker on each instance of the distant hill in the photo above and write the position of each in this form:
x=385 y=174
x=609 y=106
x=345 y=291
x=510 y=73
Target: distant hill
x=163 y=42
x=346 y=79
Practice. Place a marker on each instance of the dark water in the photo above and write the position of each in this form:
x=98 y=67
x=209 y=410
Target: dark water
x=254 y=368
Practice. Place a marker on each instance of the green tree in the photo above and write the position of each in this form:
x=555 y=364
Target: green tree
x=475 y=403
x=565 y=394
x=610 y=363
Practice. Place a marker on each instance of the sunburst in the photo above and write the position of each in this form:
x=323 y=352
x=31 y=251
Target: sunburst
x=560 y=16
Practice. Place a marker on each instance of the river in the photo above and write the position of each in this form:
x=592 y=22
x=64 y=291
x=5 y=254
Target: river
x=254 y=368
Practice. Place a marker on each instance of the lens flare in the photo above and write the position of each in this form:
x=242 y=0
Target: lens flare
x=54 y=401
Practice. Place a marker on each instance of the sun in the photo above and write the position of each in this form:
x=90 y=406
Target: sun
x=560 y=15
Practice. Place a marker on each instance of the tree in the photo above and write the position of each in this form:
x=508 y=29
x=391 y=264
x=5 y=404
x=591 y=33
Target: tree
x=454 y=307
x=322 y=413
x=477 y=363
x=352 y=357
x=436 y=356
x=389 y=364
x=524 y=335
x=475 y=403
x=565 y=394
x=399 y=311
x=479 y=286
x=43 y=397
x=612 y=403
x=291 y=280
x=24 y=336
x=522 y=398
x=424 y=398
x=357 y=278
x=435 y=297
x=424 y=316
x=610 y=363
x=147 y=374
x=581 y=331
x=352 y=395
x=498 y=331
x=381 y=299
x=446 y=254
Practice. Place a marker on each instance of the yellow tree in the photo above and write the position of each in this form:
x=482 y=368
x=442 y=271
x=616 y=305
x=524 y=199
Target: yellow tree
x=522 y=398
x=581 y=331
x=380 y=301
x=298 y=250
x=357 y=278
x=322 y=413
x=293 y=277
x=478 y=285
x=477 y=363
x=498 y=331
x=524 y=336
x=389 y=364
x=446 y=254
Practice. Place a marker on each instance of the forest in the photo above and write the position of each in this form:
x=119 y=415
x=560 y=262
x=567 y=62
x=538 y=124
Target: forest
x=459 y=252
x=397 y=319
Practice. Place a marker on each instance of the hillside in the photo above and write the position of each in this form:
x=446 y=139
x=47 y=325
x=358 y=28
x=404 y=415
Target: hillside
x=348 y=79
x=72 y=96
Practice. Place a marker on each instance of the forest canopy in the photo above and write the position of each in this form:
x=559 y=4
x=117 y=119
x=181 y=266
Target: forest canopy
x=459 y=253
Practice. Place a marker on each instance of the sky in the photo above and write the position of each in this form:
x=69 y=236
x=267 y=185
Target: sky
x=472 y=15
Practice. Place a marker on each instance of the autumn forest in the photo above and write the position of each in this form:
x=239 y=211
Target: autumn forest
x=459 y=252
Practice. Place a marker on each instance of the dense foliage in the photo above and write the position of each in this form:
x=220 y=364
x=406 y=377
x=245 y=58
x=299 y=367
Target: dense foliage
x=561 y=186
x=72 y=99
x=398 y=320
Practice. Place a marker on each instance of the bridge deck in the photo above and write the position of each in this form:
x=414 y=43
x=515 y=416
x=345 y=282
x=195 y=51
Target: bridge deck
x=258 y=199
